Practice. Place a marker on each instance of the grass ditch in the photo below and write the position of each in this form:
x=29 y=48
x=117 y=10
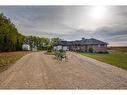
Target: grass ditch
x=9 y=58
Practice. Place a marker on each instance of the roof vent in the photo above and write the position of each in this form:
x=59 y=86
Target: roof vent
x=83 y=38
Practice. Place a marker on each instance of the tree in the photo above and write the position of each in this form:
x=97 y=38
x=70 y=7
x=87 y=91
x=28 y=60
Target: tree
x=55 y=40
x=10 y=38
x=40 y=42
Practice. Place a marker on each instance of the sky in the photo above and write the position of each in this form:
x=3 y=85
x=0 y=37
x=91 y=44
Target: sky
x=106 y=23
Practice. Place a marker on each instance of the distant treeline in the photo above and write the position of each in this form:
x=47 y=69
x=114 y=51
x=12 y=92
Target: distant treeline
x=12 y=40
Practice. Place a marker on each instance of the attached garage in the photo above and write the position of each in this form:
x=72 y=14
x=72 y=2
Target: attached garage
x=63 y=45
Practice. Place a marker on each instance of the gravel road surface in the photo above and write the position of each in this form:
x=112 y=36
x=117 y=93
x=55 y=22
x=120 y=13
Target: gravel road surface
x=38 y=70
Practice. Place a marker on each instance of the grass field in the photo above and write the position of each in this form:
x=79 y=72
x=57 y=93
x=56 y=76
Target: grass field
x=116 y=58
x=9 y=58
x=118 y=48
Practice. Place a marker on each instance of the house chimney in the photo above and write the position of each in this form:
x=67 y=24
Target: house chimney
x=83 y=38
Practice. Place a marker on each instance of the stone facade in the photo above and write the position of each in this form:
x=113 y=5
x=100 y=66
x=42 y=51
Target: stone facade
x=84 y=45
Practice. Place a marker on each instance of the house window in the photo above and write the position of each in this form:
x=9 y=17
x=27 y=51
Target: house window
x=98 y=45
x=102 y=45
x=95 y=45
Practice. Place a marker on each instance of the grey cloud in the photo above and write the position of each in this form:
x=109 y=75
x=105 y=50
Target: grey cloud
x=69 y=22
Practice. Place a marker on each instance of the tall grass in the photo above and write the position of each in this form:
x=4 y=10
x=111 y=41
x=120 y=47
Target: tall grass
x=9 y=58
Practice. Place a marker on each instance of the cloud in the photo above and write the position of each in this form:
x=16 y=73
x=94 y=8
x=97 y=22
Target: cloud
x=69 y=22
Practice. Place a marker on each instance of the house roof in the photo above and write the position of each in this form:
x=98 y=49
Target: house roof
x=81 y=42
x=92 y=41
x=63 y=43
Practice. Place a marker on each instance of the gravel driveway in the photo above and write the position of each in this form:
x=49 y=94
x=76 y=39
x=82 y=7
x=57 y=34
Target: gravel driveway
x=41 y=71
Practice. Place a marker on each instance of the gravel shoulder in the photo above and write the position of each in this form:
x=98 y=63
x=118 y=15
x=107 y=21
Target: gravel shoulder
x=38 y=70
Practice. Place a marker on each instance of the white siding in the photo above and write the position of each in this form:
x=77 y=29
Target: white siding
x=55 y=47
x=65 y=48
x=59 y=47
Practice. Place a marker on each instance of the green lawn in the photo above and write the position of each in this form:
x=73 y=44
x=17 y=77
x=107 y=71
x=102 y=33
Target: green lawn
x=115 y=58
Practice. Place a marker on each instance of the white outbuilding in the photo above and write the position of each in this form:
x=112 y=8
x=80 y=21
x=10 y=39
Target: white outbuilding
x=25 y=47
x=34 y=48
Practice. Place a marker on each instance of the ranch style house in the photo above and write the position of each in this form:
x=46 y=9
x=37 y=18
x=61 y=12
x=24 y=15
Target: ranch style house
x=83 y=45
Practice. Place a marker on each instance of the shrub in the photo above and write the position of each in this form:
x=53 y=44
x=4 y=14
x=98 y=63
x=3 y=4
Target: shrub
x=90 y=50
x=60 y=55
x=103 y=52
